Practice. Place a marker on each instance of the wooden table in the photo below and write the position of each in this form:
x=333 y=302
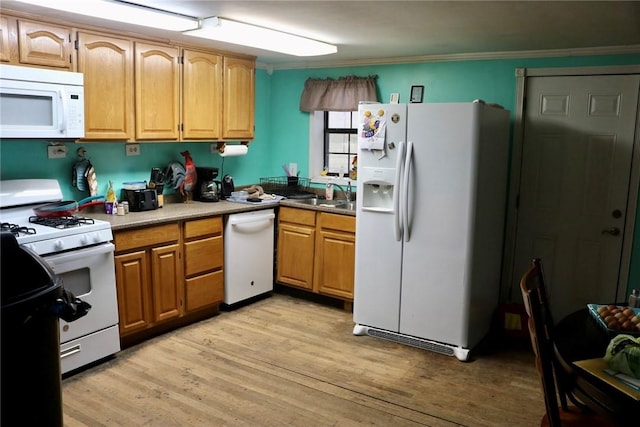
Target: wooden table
x=579 y=337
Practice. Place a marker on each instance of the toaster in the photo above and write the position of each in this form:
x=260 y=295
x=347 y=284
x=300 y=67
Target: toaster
x=141 y=200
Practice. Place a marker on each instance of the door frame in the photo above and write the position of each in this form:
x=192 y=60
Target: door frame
x=507 y=293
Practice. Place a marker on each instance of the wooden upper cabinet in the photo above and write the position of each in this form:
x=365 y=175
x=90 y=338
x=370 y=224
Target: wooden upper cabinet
x=44 y=45
x=201 y=95
x=238 y=99
x=157 y=87
x=5 y=54
x=107 y=64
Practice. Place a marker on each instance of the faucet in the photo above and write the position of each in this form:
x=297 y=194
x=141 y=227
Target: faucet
x=347 y=194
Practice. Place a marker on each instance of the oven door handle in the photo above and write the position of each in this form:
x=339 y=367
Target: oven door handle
x=103 y=248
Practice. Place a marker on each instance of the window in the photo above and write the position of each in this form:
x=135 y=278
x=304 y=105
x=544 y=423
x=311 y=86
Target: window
x=340 y=141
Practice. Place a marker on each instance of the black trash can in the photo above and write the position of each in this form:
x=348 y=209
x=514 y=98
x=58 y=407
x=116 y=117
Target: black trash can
x=30 y=352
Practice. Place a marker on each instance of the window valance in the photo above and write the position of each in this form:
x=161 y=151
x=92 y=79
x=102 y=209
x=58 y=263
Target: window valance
x=342 y=94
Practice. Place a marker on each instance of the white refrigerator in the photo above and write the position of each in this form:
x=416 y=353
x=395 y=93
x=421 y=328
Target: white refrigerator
x=431 y=197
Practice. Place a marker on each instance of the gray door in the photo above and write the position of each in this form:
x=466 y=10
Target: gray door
x=575 y=177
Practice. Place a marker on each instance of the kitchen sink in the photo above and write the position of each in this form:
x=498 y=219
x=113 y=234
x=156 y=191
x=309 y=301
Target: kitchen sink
x=347 y=205
x=338 y=204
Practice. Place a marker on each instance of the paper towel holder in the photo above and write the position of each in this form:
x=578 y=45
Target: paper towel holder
x=222 y=145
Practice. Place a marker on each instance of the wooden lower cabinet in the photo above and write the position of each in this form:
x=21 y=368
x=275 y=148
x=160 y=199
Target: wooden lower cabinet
x=335 y=255
x=168 y=275
x=296 y=247
x=132 y=278
x=148 y=276
x=203 y=262
x=316 y=252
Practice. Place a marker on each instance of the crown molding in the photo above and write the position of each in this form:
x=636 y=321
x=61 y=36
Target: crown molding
x=476 y=56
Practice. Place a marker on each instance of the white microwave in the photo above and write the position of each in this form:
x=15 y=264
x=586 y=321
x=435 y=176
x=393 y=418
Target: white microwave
x=41 y=103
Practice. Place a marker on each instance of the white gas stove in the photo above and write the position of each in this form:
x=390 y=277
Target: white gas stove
x=79 y=250
x=45 y=235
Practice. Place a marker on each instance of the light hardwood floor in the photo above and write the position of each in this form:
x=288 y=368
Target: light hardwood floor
x=285 y=361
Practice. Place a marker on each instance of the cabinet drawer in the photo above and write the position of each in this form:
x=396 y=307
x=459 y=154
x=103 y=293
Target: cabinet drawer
x=297 y=216
x=203 y=255
x=203 y=227
x=337 y=222
x=142 y=237
x=205 y=290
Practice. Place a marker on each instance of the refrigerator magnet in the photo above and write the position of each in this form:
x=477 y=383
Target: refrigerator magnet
x=416 y=94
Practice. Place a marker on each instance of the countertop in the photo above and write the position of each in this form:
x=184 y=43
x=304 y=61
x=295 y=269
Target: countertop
x=178 y=211
x=296 y=204
x=172 y=212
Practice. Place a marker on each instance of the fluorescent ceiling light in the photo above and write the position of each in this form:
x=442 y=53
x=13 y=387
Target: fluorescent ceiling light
x=121 y=12
x=223 y=30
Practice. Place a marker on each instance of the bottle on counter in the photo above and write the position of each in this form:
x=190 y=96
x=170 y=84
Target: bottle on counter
x=328 y=194
x=634 y=298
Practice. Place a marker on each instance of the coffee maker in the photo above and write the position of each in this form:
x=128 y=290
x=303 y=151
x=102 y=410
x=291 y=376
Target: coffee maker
x=207 y=189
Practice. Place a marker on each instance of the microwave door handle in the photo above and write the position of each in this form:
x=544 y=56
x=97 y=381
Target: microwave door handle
x=62 y=116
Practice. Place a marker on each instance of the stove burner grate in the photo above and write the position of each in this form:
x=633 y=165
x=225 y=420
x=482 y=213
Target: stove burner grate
x=61 y=222
x=16 y=229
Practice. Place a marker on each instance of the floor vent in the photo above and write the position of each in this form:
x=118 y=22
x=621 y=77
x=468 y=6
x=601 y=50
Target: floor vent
x=412 y=341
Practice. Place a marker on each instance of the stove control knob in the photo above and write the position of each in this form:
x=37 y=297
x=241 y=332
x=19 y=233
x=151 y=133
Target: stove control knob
x=59 y=245
x=84 y=240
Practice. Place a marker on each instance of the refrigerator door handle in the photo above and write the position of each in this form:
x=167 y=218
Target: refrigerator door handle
x=397 y=218
x=405 y=191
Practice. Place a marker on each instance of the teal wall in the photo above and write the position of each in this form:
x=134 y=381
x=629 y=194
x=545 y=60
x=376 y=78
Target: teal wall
x=28 y=158
x=282 y=131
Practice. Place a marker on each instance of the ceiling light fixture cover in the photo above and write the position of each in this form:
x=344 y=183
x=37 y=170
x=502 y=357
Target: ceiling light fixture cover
x=234 y=32
x=121 y=12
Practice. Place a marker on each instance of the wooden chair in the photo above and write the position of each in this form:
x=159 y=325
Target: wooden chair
x=553 y=370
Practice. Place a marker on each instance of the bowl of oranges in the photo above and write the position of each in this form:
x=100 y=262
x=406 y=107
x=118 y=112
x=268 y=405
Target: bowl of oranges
x=617 y=319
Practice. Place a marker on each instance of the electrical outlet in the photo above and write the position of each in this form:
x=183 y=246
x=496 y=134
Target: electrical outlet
x=132 y=149
x=213 y=148
x=293 y=169
x=57 y=151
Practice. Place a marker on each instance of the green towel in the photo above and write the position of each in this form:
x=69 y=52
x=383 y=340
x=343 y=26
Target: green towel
x=623 y=355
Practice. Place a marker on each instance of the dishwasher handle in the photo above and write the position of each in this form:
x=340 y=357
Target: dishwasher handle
x=250 y=220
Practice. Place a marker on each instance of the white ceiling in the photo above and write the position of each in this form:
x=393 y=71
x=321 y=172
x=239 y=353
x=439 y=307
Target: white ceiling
x=374 y=32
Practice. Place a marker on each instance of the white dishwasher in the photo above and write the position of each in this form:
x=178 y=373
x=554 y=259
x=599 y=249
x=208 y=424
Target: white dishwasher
x=248 y=255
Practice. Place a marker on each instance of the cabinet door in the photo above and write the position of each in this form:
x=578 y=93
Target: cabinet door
x=201 y=95
x=107 y=64
x=335 y=263
x=295 y=255
x=205 y=290
x=203 y=255
x=5 y=52
x=44 y=44
x=157 y=91
x=238 y=99
x=132 y=282
x=167 y=284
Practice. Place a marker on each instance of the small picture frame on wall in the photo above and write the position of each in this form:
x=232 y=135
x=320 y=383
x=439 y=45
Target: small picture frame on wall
x=417 y=93
x=394 y=98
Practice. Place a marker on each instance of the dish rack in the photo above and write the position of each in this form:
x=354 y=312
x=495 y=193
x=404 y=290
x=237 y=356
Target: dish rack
x=284 y=185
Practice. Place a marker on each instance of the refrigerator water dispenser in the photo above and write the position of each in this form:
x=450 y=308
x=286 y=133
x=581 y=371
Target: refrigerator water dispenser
x=377 y=188
x=378 y=196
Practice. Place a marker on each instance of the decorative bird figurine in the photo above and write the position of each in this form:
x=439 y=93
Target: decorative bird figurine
x=190 y=178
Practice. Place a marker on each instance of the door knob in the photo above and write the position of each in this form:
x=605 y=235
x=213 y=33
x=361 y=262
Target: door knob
x=613 y=231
